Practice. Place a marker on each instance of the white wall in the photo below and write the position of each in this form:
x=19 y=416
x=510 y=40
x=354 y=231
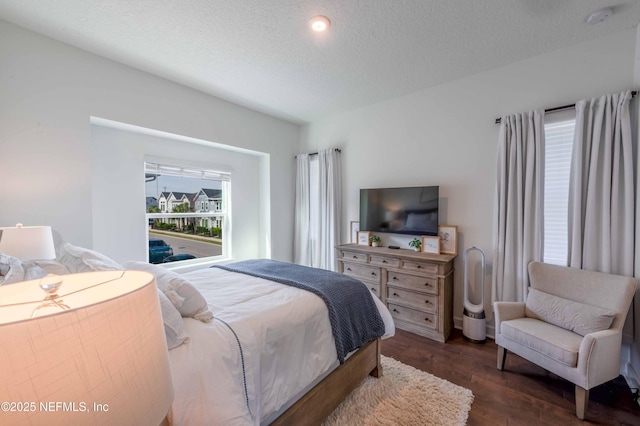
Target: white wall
x=119 y=192
x=49 y=91
x=446 y=135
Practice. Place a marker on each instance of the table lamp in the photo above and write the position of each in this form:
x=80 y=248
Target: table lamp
x=27 y=242
x=104 y=360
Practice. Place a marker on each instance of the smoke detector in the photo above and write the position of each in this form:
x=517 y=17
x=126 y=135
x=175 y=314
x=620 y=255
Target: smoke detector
x=599 y=15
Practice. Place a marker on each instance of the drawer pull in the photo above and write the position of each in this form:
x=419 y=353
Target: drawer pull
x=427 y=284
x=395 y=294
x=418 y=267
x=384 y=261
x=373 y=289
x=395 y=310
x=355 y=257
x=395 y=278
x=373 y=273
x=348 y=269
x=427 y=319
x=427 y=302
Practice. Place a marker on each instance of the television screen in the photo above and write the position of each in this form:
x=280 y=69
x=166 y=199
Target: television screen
x=410 y=210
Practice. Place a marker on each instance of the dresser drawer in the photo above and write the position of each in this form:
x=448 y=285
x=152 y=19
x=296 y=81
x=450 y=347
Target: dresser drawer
x=374 y=287
x=427 y=268
x=387 y=262
x=414 y=316
x=423 y=302
x=356 y=257
x=363 y=272
x=413 y=282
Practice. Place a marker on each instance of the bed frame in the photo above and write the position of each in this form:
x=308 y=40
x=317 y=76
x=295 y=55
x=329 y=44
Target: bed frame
x=321 y=400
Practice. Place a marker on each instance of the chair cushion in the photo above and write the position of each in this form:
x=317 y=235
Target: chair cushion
x=547 y=339
x=568 y=314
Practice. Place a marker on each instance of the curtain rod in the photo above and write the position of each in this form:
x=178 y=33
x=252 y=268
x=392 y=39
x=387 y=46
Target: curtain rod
x=315 y=153
x=560 y=108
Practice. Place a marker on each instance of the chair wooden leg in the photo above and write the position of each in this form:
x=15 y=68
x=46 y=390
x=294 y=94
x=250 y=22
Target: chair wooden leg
x=502 y=355
x=582 y=401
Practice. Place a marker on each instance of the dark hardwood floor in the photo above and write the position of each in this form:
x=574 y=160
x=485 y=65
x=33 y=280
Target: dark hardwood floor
x=521 y=394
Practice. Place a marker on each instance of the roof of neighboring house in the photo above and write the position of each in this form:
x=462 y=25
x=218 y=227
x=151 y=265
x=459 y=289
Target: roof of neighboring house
x=212 y=193
x=191 y=196
x=181 y=195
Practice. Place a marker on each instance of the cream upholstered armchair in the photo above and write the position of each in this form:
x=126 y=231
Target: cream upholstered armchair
x=570 y=325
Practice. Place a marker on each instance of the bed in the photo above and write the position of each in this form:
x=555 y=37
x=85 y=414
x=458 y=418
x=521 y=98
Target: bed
x=268 y=356
x=244 y=349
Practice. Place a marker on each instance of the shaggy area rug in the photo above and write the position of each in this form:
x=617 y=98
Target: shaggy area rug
x=403 y=396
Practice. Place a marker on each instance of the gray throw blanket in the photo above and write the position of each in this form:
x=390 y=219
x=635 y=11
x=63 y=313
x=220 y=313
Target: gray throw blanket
x=354 y=317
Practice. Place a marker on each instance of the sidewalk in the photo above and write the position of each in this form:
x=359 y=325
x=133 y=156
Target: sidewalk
x=200 y=238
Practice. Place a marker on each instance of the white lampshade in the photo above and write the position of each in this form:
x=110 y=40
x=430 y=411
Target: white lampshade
x=102 y=361
x=27 y=242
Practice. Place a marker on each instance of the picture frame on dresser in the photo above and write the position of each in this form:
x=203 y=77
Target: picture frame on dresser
x=363 y=238
x=431 y=245
x=448 y=239
x=355 y=227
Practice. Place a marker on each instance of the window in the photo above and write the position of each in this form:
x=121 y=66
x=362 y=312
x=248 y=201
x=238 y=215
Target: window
x=558 y=131
x=181 y=227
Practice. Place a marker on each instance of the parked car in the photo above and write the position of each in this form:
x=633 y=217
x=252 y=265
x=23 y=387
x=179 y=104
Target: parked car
x=159 y=250
x=178 y=257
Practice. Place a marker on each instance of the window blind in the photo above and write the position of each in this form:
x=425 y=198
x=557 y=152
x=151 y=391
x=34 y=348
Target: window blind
x=170 y=170
x=559 y=129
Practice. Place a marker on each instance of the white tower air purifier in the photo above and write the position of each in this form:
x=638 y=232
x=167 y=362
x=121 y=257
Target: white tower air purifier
x=473 y=319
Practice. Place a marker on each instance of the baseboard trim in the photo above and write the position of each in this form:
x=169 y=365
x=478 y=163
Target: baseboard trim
x=630 y=362
x=631 y=376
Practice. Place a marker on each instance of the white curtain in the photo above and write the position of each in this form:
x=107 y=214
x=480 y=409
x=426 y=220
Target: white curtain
x=601 y=189
x=330 y=203
x=318 y=209
x=301 y=242
x=518 y=223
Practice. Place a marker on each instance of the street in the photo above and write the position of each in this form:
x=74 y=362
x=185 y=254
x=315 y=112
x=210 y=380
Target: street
x=183 y=245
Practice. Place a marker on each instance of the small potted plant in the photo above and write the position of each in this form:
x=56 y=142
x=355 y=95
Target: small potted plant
x=375 y=240
x=415 y=243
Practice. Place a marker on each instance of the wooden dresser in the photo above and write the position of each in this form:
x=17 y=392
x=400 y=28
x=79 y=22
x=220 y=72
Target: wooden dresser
x=416 y=287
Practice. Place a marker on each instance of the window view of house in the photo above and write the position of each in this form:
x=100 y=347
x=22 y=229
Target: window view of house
x=186 y=212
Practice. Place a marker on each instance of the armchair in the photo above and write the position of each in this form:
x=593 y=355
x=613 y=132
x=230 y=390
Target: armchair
x=570 y=325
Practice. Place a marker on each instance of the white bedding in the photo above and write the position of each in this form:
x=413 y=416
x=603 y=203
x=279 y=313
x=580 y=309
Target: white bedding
x=286 y=341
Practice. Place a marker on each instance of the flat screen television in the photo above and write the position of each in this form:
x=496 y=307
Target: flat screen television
x=409 y=210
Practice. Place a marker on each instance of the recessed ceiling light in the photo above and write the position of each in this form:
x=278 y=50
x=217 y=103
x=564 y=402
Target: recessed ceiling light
x=599 y=15
x=320 y=23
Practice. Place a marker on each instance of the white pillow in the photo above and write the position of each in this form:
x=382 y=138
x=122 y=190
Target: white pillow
x=568 y=314
x=172 y=322
x=48 y=266
x=33 y=272
x=184 y=295
x=78 y=259
x=13 y=270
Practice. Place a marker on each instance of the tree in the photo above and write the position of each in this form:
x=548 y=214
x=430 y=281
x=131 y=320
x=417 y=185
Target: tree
x=153 y=209
x=182 y=208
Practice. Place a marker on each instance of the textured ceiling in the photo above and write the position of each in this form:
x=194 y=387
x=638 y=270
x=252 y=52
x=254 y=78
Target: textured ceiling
x=261 y=53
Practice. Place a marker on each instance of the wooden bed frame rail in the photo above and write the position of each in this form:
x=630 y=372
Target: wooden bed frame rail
x=322 y=399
